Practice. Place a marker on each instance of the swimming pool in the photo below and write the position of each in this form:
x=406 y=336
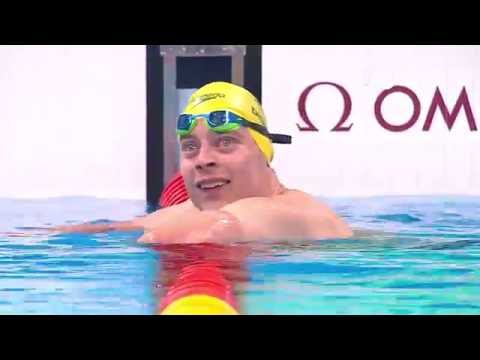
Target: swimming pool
x=426 y=262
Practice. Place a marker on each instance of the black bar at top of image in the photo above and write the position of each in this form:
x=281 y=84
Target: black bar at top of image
x=154 y=125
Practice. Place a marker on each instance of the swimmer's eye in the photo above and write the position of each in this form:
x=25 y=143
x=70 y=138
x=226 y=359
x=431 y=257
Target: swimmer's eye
x=189 y=146
x=226 y=141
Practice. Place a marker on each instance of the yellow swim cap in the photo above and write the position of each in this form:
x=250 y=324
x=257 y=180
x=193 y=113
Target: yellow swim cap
x=226 y=96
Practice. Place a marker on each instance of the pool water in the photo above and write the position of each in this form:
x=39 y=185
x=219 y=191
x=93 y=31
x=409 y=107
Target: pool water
x=422 y=257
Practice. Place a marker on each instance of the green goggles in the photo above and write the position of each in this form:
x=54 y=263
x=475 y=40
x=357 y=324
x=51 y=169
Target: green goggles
x=224 y=121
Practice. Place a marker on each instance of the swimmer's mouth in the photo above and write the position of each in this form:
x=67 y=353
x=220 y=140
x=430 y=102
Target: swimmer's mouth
x=211 y=184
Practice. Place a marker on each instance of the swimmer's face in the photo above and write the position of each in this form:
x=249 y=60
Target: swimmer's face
x=219 y=169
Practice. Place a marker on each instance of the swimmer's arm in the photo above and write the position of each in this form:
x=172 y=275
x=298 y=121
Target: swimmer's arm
x=131 y=225
x=193 y=227
x=150 y=221
x=290 y=217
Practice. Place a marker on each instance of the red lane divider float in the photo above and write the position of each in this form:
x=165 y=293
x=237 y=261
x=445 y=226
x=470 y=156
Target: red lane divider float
x=201 y=288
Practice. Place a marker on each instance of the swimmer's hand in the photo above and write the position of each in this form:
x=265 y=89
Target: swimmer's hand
x=10 y=234
x=27 y=232
x=96 y=228
x=132 y=225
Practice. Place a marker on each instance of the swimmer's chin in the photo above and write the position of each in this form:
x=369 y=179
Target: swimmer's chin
x=210 y=205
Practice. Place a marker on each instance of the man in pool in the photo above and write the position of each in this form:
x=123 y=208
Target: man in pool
x=235 y=194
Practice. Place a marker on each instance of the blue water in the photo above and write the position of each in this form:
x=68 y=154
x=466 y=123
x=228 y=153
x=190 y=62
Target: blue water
x=422 y=257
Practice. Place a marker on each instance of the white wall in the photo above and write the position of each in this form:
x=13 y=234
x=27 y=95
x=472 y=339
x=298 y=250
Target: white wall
x=72 y=121
x=369 y=160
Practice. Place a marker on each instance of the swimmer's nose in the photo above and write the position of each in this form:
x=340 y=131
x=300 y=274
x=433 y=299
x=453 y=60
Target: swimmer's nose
x=200 y=166
x=205 y=159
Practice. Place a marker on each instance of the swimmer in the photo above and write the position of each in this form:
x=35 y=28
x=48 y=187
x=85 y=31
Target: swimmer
x=235 y=195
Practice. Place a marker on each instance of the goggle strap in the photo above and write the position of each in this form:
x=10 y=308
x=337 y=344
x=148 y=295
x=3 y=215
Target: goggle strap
x=276 y=138
x=280 y=139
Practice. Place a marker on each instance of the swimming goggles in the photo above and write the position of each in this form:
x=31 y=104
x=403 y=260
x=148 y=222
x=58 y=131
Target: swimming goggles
x=224 y=121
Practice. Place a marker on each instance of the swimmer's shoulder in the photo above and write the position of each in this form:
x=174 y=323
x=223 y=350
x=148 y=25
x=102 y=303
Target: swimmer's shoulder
x=305 y=201
x=318 y=212
x=295 y=196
